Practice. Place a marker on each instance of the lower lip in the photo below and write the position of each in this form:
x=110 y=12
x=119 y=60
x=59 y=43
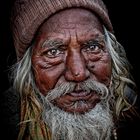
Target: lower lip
x=79 y=94
x=82 y=109
x=91 y=99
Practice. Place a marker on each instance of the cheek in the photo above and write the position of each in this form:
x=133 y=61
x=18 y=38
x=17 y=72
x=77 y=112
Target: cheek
x=46 y=78
x=102 y=70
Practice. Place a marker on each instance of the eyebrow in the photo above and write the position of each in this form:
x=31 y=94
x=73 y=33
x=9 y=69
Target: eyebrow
x=52 y=43
x=59 y=42
x=100 y=38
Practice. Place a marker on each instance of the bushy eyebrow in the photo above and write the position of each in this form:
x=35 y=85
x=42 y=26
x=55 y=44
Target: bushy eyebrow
x=52 y=43
x=100 y=39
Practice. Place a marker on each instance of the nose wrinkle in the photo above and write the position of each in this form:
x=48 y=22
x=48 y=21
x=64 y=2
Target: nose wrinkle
x=76 y=68
x=77 y=64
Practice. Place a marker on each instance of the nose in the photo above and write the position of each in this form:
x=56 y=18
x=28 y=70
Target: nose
x=76 y=67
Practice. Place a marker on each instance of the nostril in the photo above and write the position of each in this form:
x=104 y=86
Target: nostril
x=77 y=77
x=91 y=66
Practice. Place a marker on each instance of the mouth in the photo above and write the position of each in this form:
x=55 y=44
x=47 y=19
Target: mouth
x=79 y=95
x=78 y=101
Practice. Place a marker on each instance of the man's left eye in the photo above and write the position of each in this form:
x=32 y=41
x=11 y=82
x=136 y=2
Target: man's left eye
x=92 y=48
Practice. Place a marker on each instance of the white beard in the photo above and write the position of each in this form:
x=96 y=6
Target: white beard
x=94 y=125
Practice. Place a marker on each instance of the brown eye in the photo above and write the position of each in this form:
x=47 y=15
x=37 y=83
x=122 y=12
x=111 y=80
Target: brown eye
x=53 y=52
x=93 y=47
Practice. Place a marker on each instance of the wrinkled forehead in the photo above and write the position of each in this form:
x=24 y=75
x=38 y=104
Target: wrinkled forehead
x=72 y=18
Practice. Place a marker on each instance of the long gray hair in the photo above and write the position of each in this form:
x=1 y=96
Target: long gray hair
x=122 y=85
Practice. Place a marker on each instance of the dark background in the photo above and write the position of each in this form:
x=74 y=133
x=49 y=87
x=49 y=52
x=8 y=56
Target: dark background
x=124 y=16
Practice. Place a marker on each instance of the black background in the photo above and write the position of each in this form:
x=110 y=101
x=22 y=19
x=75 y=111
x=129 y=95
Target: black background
x=124 y=16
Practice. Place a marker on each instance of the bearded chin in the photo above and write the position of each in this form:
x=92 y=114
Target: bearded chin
x=94 y=125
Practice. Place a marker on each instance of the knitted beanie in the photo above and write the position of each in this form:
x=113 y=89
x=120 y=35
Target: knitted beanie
x=28 y=15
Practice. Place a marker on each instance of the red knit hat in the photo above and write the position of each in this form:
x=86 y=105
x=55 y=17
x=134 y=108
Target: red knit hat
x=28 y=15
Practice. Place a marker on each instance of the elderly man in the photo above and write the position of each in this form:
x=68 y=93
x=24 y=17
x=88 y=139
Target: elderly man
x=71 y=74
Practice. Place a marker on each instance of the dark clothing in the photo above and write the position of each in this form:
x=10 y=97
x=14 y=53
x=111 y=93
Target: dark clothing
x=10 y=117
x=10 y=114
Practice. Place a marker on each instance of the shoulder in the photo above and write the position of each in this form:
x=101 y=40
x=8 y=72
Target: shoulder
x=10 y=102
x=129 y=127
x=10 y=112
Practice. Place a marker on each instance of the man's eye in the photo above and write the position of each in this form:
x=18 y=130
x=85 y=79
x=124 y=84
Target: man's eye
x=53 y=52
x=92 y=48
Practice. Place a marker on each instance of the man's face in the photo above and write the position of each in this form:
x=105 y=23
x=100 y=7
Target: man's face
x=70 y=47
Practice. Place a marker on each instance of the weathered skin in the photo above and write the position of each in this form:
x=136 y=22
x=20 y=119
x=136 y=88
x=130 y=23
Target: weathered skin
x=71 y=58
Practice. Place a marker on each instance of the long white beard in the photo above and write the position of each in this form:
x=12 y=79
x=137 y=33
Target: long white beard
x=94 y=125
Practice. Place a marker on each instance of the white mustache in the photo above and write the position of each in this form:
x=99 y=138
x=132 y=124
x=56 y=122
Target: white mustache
x=68 y=87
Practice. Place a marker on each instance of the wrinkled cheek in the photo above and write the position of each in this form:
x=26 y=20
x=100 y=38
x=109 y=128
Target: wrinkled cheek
x=46 y=79
x=42 y=81
x=103 y=73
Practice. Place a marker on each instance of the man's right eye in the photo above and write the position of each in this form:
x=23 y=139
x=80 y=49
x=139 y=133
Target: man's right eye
x=53 y=52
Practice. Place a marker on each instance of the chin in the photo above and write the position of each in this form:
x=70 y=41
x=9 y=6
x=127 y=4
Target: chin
x=78 y=107
x=79 y=123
